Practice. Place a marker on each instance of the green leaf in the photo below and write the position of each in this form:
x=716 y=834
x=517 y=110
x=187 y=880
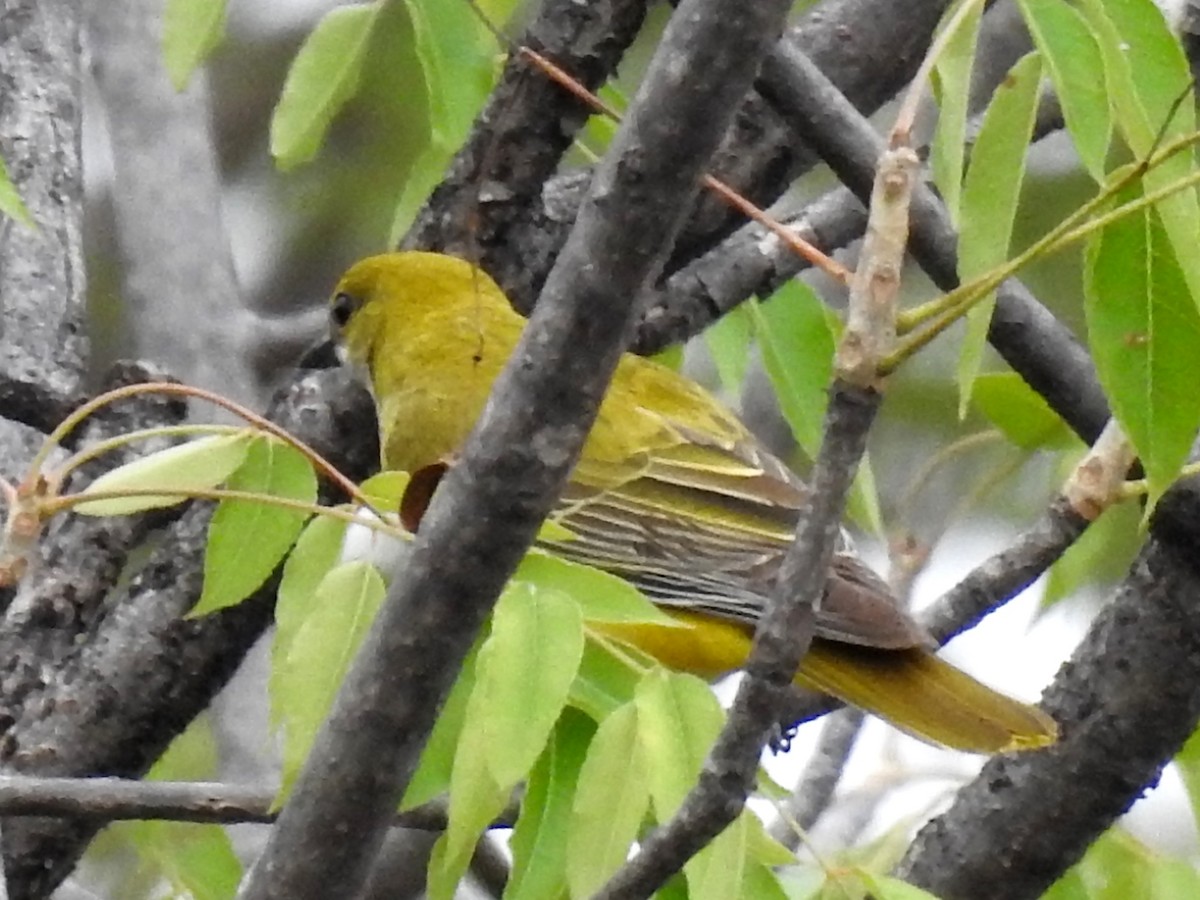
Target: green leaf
x=760 y=846
x=1118 y=866
x=601 y=597
x=475 y=796
x=670 y=357
x=455 y=52
x=989 y=203
x=1076 y=68
x=952 y=85
x=1020 y=412
x=324 y=75
x=526 y=669
x=11 y=203
x=192 y=756
x=885 y=887
x=197 y=861
x=797 y=335
x=191 y=30
x=1147 y=73
x=198 y=465
x=432 y=777
x=761 y=883
x=317 y=551
x=344 y=605
x=728 y=340
x=247 y=538
x=611 y=800
x=539 y=841
x=678 y=720
x=1143 y=330
x=604 y=680
x=1188 y=764
x=717 y=871
x=386 y=489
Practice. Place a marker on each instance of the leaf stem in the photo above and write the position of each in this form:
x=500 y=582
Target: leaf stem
x=376 y=522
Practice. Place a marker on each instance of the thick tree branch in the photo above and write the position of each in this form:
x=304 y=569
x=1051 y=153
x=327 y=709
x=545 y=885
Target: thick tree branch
x=519 y=139
x=1125 y=702
x=487 y=510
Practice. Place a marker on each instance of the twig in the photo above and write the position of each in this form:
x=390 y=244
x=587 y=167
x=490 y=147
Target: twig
x=750 y=261
x=115 y=799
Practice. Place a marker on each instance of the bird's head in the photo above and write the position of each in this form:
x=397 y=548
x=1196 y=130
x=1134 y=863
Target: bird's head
x=382 y=296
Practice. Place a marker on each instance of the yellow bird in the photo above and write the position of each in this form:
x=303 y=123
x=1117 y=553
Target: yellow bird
x=671 y=493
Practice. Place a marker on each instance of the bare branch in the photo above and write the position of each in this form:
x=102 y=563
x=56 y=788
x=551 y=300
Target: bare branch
x=116 y=799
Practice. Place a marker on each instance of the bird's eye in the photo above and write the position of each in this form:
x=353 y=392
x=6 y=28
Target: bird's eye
x=342 y=308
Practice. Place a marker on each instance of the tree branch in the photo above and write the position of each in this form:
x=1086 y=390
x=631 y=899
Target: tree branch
x=1126 y=701
x=116 y=799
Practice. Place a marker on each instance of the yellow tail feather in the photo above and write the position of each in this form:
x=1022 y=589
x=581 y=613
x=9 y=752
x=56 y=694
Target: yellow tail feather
x=912 y=689
x=927 y=697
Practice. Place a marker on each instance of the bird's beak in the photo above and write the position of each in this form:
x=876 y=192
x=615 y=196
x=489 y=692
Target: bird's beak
x=323 y=355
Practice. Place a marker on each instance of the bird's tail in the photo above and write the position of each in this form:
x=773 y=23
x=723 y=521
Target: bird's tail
x=926 y=697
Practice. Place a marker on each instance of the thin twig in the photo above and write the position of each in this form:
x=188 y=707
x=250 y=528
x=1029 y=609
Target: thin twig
x=116 y=799
x=799 y=246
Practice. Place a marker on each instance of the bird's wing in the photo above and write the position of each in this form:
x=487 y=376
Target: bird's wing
x=700 y=520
